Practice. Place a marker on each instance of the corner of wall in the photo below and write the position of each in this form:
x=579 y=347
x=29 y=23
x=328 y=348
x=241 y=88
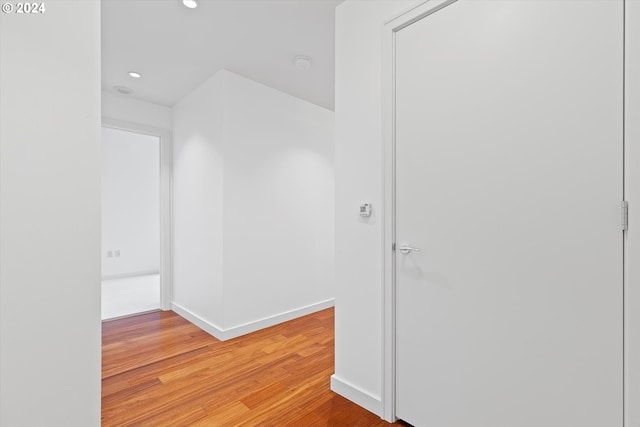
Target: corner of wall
x=358 y=174
x=355 y=394
x=236 y=140
x=204 y=324
x=229 y=333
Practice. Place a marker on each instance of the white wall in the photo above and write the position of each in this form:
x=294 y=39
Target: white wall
x=131 y=110
x=358 y=165
x=632 y=190
x=197 y=203
x=50 y=216
x=130 y=203
x=253 y=204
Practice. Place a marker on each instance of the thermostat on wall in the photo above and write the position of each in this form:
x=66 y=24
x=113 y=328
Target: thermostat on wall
x=365 y=209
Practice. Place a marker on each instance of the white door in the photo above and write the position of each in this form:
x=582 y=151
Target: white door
x=509 y=180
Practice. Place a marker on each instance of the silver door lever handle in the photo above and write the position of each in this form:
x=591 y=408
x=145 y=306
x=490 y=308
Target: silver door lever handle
x=405 y=249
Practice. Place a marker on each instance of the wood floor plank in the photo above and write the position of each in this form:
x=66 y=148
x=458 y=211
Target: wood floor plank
x=160 y=370
x=153 y=371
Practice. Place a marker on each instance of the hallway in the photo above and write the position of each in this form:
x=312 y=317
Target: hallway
x=160 y=370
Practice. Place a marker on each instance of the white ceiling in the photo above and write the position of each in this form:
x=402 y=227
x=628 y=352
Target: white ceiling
x=176 y=48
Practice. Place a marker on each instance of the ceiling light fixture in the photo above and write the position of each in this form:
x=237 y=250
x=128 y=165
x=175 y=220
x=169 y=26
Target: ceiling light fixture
x=135 y=74
x=302 y=62
x=123 y=90
x=191 y=4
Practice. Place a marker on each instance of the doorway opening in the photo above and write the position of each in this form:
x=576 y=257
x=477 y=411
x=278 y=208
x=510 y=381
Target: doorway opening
x=131 y=223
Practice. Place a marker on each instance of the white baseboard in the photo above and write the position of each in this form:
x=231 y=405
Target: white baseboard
x=134 y=274
x=200 y=322
x=355 y=394
x=246 y=328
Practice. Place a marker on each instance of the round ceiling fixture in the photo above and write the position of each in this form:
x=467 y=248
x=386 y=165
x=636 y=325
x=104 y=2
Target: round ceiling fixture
x=303 y=62
x=134 y=74
x=123 y=90
x=191 y=4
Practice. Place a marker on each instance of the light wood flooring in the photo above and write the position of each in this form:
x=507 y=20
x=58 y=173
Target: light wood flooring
x=160 y=370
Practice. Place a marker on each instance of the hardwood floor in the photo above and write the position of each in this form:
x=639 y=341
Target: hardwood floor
x=160 y=370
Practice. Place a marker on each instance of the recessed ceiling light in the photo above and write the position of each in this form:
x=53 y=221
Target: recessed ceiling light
x=123 y=90
x=135 y=74
x=303 y=62
x=191 y=4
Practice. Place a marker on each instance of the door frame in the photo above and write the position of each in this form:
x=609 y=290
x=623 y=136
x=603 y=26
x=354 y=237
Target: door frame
x=166 y=172
x=389 y=30
x=631 y=193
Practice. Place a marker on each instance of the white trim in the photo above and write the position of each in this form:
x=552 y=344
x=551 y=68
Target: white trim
x=632 y=195
x=200 y=322
x=414 y=14
x=132 y=274
x=388 y=229
x=126 y=316
x=246 y=328
x=368 y=401
x=389 y=30
x=166 y=173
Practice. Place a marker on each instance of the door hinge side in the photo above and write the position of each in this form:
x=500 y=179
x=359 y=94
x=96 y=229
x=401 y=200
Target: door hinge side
x=625 y=215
